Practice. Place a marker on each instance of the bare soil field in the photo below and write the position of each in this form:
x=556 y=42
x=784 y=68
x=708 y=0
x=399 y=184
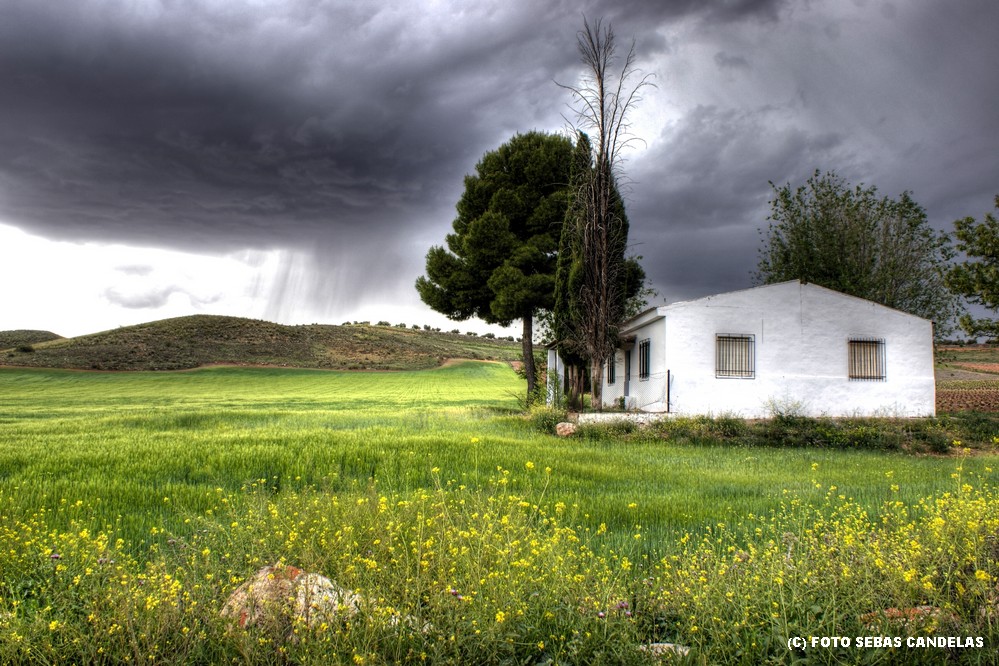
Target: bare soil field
x=968 y=378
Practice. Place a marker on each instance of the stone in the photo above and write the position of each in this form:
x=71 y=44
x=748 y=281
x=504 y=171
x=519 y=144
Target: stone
x=277 y=594
x=318 y=599
x=661 y=650
x=901 y=618
x=565 y=429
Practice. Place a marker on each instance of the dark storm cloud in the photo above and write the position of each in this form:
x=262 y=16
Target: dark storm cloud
x=198 y=128
x=711 y=172
x=342 y=130
x=727 y=61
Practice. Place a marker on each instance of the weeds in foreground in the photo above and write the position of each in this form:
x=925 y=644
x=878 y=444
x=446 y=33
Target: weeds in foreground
x=501 y=575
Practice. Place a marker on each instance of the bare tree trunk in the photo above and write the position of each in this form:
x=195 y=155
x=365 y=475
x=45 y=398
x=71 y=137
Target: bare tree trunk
x=577 y=384
x=604 y=103
x=597 y=385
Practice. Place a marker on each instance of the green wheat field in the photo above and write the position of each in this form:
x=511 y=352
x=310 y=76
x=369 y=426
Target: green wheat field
x=132 y=504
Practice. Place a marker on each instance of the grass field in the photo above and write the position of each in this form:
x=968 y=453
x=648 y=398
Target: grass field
x=132 y=439
x=156 y=459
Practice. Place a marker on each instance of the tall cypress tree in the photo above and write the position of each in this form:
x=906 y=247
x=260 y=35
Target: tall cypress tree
x=567 y=316
x=595 y=280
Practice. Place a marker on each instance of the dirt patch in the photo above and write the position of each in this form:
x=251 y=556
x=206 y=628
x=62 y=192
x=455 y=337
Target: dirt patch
x=959 y=373
x=988 y=368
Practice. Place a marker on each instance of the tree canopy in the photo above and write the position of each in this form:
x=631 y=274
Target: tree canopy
x=977 y=278
x=499 y=262
x=851 y=240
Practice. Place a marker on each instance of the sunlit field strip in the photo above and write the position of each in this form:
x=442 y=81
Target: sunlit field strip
x=147 y=446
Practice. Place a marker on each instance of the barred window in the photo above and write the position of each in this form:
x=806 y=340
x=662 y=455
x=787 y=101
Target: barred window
x=735 y=356
x=867 y=359
x=612 y=369
x=644 y=352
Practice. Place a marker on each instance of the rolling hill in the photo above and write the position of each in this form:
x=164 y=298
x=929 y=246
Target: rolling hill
x=12 y=339
x=198 y=340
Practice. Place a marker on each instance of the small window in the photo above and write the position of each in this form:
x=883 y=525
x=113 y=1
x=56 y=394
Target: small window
x=612 y=369
x=867 y=359
x=735 y=356
x=644 y=352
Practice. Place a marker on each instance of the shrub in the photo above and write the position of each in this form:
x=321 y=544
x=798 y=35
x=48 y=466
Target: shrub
x=607 y=430
x=695 y=428
x=544 y=417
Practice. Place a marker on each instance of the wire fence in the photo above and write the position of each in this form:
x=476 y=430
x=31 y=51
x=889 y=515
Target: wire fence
x=643 y=393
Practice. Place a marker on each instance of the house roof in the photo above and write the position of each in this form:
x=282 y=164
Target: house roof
x=658 y=312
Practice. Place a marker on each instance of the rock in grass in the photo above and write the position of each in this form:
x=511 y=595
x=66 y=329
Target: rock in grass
x=278 y=594
x=565 y=429
x=661 y=650
x=904 y=618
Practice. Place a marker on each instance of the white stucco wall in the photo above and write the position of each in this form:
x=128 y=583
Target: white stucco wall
x=642 y=394
x=801 y=336
x=555 y=387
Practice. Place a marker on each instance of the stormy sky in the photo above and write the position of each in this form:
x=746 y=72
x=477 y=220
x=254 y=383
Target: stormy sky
x=293 y=160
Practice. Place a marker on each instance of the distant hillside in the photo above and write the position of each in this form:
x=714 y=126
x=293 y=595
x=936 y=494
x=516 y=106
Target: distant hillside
x=12 y=339
x=190 y=342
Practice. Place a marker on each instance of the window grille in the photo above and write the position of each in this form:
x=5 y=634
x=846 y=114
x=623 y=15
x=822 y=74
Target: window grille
x=867 y=359
x=644 y=352
x=735 y=356
x=612 y=369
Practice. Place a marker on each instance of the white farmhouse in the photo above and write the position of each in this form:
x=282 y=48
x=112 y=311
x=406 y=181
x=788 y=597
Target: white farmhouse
x=791 y=347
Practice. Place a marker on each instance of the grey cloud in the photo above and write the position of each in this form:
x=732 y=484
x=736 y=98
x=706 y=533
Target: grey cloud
x=152 y=298
x=145 y=300
x=726 y=61
x=136 y=270
x=343 y=130
x=698 y=227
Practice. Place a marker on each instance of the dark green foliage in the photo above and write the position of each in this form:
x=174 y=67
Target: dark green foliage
x=977 y=278
x=608 y=431
x=565 y=319
x=850 y=240
x=544 y=418
x=499 y=262
x=927 y=435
